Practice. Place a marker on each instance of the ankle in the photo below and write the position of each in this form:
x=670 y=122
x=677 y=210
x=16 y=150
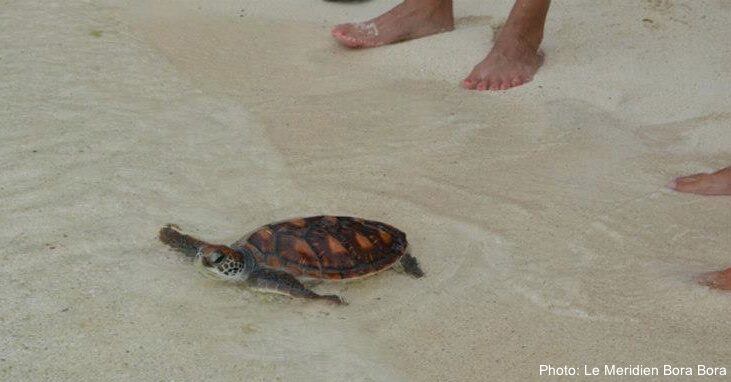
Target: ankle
x=435 y=9
x=519 y=37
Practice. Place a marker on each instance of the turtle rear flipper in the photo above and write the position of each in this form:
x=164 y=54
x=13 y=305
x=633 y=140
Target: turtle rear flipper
x=269 y=280
x=409 y=265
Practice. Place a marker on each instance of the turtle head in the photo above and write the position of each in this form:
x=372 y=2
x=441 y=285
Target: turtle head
x=223 y=262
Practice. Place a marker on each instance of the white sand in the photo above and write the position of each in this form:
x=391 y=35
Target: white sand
x=538 y=213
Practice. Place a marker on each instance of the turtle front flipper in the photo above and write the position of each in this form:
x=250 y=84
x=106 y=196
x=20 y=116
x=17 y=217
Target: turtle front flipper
x=269 y=280
x=188 y=245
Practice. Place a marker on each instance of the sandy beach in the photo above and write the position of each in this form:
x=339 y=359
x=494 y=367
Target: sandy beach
x=539 y=214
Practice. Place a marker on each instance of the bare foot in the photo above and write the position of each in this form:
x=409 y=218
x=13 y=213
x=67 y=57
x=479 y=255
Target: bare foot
x=514 y=58
x=718 y=183
x=409 y=20
x=718 y=280
x=511 y=62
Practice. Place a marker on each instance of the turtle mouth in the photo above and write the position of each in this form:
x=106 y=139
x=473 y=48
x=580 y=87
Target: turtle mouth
x=210 y=273
x=231 y=272
x=206 y=269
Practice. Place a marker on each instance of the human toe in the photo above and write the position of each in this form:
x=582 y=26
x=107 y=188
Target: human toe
x=696 y=183
x=717 y=280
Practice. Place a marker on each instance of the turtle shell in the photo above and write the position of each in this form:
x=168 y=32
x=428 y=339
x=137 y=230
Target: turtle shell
x=326 y=247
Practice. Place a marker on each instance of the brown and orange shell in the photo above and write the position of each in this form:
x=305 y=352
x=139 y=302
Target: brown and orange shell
x=326 y=247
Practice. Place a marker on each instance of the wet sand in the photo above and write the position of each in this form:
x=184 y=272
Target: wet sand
x=538 y=213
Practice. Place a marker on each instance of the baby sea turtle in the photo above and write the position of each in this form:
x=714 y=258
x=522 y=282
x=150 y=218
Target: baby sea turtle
x=275 y=256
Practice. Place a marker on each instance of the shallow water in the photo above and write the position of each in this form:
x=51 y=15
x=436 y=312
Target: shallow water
x=538 y=214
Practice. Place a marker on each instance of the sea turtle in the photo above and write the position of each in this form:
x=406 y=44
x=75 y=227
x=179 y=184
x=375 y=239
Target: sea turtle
x=275 y=256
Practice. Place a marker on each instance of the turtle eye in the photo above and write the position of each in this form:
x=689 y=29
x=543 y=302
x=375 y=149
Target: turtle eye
x=216 y=257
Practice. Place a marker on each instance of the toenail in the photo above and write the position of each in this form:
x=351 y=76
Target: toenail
x=689 y=179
